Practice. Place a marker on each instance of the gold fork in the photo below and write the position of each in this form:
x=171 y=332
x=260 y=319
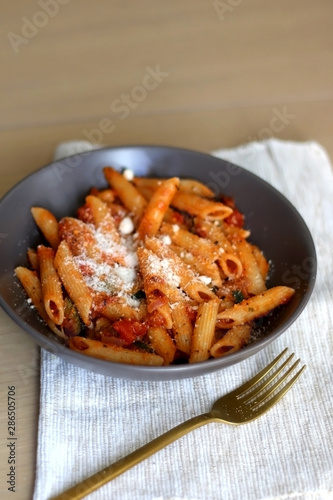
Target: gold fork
x=244 y=404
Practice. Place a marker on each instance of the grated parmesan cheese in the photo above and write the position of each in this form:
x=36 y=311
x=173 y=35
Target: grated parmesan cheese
x=165 y=268
x=102 y=273
x=126 y=226
x=128 y=174
x=205 y=279
x=166 y=239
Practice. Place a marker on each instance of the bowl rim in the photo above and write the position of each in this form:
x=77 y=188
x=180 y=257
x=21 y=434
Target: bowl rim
x=143 y=372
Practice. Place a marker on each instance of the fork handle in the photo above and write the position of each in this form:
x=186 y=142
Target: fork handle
x=97 y=480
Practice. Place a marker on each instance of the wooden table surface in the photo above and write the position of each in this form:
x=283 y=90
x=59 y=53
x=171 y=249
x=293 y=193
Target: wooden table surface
x=200 y=75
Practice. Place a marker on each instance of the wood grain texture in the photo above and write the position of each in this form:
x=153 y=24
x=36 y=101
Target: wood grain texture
x=171 y=73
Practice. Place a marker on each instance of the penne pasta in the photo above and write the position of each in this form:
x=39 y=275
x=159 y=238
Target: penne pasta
x=192 y=285
x=201 y=207
x=157 y=207
x=33 y=259
x=73 y=281
x=232 y=341
x=231 y=265
x=51 y=285
x=253 y=276
x=262 y=263
x=32 y=286
x=191 y=242
x=182 y=326
x=254 y=307
x=158 y=304
x=187 y=185
x=102 y=216
x=213 y=232
x=200 y=264
x=114 y=353
x=162 y=344
x=48 y=224
x=115 y=308
x=204 y=330
x=126 y=191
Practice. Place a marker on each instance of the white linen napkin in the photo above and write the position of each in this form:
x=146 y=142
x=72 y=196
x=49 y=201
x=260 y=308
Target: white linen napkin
x=88 y=421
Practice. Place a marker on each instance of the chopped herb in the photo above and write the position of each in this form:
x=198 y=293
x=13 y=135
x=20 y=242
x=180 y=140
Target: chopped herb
x=214 y=289
x=142 y=345
x=238 y=296
x=140 y=294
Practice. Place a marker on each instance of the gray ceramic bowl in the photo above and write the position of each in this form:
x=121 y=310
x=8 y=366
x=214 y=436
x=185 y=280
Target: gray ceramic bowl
x=276 y=227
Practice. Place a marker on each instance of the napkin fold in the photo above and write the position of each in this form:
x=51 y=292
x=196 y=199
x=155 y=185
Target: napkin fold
x=88 y=421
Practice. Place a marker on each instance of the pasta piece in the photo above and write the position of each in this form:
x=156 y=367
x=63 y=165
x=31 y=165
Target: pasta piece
x=114 y=308
x=213 y=231
x=158 y=305
x=187 y=185
x=101 y=350
x=231 y=265
x=204 y=330
x=162 y=344
x=48 y=224
x=192 y=285
x=78 y=236
x=191 y=242
x=254 y=307
x=127 y=192
x=101 y=216
x=181 y=325
x=262 y=263
x=196 y=187
x=200 y=264
x=201 y=207
x=146 y=191
x=232 y=341
x=234 y=232
x=33 y=259
x=51 y=285
x=106 y=195
x=73 y=281
x=157 y=207
x=71 y=325
x=151 y=183
x=255 y=281
x=160 y=271
x=32 y=286
x=100 y=246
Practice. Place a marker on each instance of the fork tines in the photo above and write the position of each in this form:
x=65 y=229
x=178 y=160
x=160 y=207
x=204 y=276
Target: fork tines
x=253 y=394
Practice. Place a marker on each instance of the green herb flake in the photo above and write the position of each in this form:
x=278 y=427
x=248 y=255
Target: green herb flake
x=142 y=345
x=238 y=296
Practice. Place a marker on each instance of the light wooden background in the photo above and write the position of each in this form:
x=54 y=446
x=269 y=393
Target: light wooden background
x=229 y=68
